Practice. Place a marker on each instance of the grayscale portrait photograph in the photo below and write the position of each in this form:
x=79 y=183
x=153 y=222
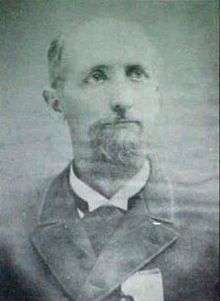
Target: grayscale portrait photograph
x=109 y=150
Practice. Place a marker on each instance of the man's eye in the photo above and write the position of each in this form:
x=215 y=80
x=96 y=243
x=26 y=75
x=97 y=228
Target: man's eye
x=97 y=76
x=136 y=73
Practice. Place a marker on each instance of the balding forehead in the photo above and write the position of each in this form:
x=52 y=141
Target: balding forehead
x=108 y=25
x=105 y=40
x=102 y=29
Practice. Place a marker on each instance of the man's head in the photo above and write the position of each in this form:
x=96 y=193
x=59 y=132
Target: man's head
x=103 y=79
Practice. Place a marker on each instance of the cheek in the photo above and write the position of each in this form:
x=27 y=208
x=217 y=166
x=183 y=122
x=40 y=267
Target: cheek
x=147 y=104
x=87 y=100
x=85 y=106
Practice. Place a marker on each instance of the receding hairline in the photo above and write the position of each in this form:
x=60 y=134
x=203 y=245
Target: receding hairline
x=60 y=42
x=75 y=27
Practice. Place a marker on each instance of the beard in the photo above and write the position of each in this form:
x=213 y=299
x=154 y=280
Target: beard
x=118 y=144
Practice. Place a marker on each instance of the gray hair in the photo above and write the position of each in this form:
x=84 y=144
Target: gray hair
x=55 y=63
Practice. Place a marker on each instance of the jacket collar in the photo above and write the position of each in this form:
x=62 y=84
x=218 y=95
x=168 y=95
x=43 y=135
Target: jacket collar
x=120 y=199
x=158 y=195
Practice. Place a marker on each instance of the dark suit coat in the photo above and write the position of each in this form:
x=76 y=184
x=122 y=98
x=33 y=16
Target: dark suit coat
x=60 y=262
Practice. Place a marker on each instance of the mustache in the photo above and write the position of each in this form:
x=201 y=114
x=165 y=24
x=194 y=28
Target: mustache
x=105 y=122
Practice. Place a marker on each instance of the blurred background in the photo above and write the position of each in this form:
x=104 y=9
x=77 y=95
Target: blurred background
x=34 y=145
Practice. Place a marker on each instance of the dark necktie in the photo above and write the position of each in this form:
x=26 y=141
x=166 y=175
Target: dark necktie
x=82 y=205
x=100 y=225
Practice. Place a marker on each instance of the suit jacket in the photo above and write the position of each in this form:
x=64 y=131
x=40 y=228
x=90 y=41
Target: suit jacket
x=64 y=266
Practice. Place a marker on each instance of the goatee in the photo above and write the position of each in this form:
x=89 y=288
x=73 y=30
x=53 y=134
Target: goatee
x=118 y=144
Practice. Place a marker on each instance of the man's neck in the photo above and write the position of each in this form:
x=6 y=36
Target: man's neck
x=104 y=177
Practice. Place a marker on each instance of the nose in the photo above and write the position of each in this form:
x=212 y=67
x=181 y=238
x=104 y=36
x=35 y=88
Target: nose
x=122 y=101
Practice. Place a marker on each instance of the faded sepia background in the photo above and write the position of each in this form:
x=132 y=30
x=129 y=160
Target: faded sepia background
x=35 y=146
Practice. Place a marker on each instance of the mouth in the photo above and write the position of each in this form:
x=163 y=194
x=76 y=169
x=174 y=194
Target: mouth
x=121 y=123
x=117 y=124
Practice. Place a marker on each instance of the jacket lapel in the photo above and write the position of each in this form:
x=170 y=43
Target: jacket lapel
x=61 y=240
x=134 y=244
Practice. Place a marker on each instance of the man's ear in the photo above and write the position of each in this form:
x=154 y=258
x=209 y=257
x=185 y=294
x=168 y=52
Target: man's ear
x=50 y=97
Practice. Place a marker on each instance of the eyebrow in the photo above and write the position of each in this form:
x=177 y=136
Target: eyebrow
x=99 y=67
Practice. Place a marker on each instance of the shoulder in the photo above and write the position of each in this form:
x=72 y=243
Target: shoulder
x=22 y=275
x=158 y=191
x=59 y=200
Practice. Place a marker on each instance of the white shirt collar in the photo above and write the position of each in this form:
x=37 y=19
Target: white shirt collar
x=119 y=199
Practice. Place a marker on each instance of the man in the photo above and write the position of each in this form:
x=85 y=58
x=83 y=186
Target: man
x=106 y=229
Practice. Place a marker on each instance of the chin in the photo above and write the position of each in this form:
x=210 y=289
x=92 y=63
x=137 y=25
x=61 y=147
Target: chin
x=121 y=149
